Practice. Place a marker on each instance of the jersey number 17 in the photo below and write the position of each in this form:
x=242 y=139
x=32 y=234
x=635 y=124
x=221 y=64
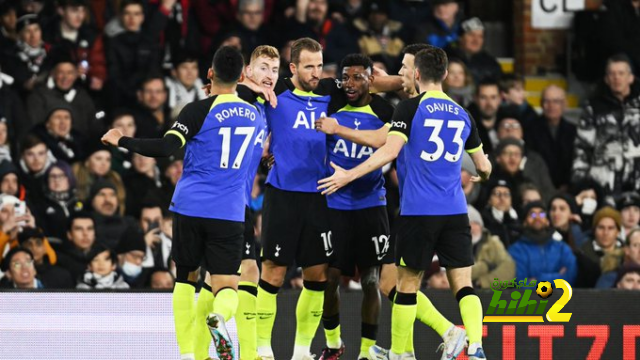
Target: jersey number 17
x=247 y=132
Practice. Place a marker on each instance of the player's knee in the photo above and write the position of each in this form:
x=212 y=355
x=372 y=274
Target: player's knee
x=465 y=291
x=187 y=274
x=249 y=271
x=333 y=276
x=315 y=273
x=370 y=280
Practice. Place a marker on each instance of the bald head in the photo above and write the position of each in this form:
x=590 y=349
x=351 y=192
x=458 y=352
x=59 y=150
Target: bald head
x=554 y=102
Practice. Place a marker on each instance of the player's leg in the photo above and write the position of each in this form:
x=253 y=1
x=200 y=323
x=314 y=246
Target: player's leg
x=223 y=255
x=187 y=250
x=456 y=255
x=204 y=307
x=309 y=309
x=281 y=229
x=404 y=310
x=248 y=293
x=370 y=312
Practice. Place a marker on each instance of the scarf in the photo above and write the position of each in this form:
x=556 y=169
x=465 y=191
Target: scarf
x=33 y=57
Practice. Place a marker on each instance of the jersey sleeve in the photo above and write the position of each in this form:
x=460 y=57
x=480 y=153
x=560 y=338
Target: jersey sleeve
x=402 y=119
x=329 y=86
x=190 y=120
x=282 y=85
x=473 y=142
x=246 y=94
x=382 y=108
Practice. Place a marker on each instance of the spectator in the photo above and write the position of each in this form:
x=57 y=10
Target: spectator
x=96 y=167
x=81 y=236
x=62 y=88
x=485 y=110
x=628 y=279
x=134 y=54
x=590 y=197
x=631 y=259
x=101 y=272
x=19 y=270
x=629 y=207
x=470 y=49
x=124 y=120
x=210 y=18
x=9 y=184
x=499 y=217
x=8 y=21
x=605 y=145
x=5 y=147
x=565 y=219
x=380 y=36
x=143 y=180
x=472 y=190
x=537 y=243
x=161 y=279
x=35 y=160
x=184 y=85
x=529 y=193
x=152 y=116
x=12 y=115
x=158 y=244
x=110 y=225
x=15 y=216
x=620 y=29
x=25 y=62
x=513 y=94
x=605 y=248
x=131 y=250
x=553 y=137
x=438 y=280
x=491 y=258
x=56 y=131
x=459 y=84
x=249 y=25
x=517 y=169
x=60 y=202
x=71 y=32
x=442 y=28
x=51 y=275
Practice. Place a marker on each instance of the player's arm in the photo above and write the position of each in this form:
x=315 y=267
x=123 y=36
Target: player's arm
x=341 y=177
x=374 y=138
x=473 y=147
x=386 y=84
x=163 y=147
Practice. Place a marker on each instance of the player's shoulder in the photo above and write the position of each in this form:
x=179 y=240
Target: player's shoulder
x=328 y=86
x=283 y=85
x=198 y=108
x=381 y=107
x=409 y=105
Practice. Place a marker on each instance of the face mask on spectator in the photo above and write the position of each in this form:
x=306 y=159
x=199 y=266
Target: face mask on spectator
x=589 y=206
x=131 y=270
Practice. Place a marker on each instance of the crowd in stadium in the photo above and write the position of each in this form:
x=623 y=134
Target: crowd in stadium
x=562 y=201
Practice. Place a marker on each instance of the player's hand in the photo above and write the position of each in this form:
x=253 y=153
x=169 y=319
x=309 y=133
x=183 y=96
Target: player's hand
x=481 y=177
x=267 y=93
x=379 y=72
x=327 y=125
x=112 y=137
x=268 y=161
x=333 y=183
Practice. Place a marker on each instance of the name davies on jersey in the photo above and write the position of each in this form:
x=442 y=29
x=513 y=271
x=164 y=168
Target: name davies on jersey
x=448 y=107
x=224 y=114
x=343 y=148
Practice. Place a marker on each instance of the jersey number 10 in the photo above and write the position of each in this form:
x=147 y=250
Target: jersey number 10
x=247 y=132
x=435 y=138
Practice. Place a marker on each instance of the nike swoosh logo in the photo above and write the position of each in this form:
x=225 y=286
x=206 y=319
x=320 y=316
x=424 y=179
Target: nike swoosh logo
x=264 y=317
x=329 y=253
x=250 y=318
x=381 y=257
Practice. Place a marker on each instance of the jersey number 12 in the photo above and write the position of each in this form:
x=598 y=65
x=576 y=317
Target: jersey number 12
x=435 y=138
x=247 y=132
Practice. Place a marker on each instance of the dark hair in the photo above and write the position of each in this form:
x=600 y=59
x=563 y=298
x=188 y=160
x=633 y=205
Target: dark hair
x=227 y=65
x=118 y=113
x=487 y=82
x=79 y=215
x=149 y=79
x=432 y=64
x=413 y=49
x=66 y=169
x=6 y=262
x=125 y=3
x=620 y=57
x=357 y=60
x=509 y=81
x=72 y=3
x=30 y=141
x=303 y=44
x=183 y=56
x=99 y=249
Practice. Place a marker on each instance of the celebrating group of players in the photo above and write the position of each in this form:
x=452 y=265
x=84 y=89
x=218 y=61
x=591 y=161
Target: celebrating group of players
x=326 y=225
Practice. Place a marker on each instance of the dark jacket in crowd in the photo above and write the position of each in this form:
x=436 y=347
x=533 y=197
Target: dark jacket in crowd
x=620 y=30
x=74 y=260
x=481 y=65
x=109 y=229
x=69 y=149
x=54 y=276
x=508 y=230
x=147 y=125
x=52 y=215
x=82 y=107
x=13 y=113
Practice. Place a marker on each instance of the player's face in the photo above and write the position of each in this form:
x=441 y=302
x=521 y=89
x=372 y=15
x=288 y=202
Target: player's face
x=355 y=83
x=606 y=233
x=187 y=73
x=308 y=70
x=632 y=251
x=488 y=100
x=102 y=264
x=630 y=216
x=407 y=72
x=264 y=71
x=630 y=281
x=560 y=214
x=537 y=219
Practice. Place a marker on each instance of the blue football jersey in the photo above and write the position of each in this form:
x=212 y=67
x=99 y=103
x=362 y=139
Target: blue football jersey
x=261 y=136
x=219 y=133
x=436 y=130
x=369 y=190
x=299 y=149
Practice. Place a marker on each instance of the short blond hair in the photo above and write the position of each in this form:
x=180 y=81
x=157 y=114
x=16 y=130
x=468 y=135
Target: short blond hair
x=265 y=50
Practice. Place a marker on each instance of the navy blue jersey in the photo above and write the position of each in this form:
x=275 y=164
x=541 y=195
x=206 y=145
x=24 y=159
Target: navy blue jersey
x=219 y=133
x=299 y=149
x=261 y=136
x=436 y=130
x=368 y=191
